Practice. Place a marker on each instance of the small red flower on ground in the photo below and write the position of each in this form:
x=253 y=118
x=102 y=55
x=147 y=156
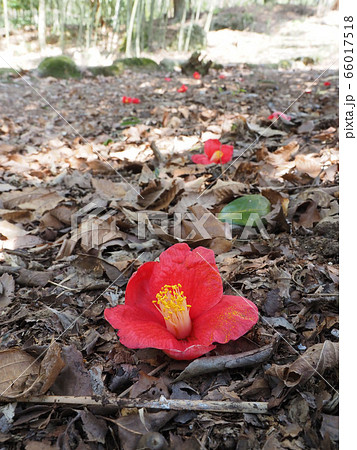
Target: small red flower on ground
x=130 y=99
x=183 y=88
x=327 y=83
x=177 y=305
x=222 y=76
x=168 y=79
x=277 y=114
x=215 y=152
x=196 y=75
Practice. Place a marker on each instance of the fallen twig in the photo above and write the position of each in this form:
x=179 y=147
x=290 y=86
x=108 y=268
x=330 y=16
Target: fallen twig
x=162 y=403
x=218 y=363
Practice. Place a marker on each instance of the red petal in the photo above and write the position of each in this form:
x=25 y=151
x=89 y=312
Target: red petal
x=200 y=159
x=227 y=151
x=211 y=146
x=229 y=320
x=197 y=273
x=192 y=352
x=136 y=331
x=139 y=293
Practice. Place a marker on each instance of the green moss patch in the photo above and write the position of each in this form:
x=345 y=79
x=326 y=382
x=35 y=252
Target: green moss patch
x=59 y=67
x=107 y=71
x=6 y=74
x=138 y=64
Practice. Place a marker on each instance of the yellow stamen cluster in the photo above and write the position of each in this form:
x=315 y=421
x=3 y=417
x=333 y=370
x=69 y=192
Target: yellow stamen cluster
x=171 y=303
x=217 y=156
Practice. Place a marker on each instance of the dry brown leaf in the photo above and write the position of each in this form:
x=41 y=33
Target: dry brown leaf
x=108 y=189
x=18 y=370
x=38 y=199
x=67 y=247
x=21 y=375
x=51 y=366
x=308 y=214
x=224 y=191
x=159 y=194
x=21 y=216
x=16 y=236
x=309 y=164
x=315 y=360
x=325 y=134
x=33 y=277
x=7 y=289
x=264 y=131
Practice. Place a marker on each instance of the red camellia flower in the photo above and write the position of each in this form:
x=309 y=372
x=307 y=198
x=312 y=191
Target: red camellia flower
x=168 y=79
x=177 y=305
x=277 y=114
x=126 y=99
x=196 y=75
x=222 y=76
x=183 y=88
x=215 y=152
x=327 y=83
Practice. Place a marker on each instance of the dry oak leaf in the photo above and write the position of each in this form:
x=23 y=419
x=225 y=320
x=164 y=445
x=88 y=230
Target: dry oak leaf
x=315 y=360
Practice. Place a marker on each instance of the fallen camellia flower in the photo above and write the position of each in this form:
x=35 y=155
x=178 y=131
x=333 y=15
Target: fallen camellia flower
x=277 y=114
x=177 y=305
x=183 y=88
x=327 y=83
x=167 y=79
x=196 y=75
x=126 y=99
x=215 y=152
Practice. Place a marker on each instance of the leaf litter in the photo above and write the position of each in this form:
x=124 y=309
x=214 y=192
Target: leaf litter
x=128 y=176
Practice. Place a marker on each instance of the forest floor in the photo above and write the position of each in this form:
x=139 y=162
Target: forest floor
x=79 y=170
x=59 y=175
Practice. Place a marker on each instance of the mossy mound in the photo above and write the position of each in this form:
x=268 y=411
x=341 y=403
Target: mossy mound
x=6 y=74
x=171 y=64
x=107 y=71
x=138 y=64
x=59 y=67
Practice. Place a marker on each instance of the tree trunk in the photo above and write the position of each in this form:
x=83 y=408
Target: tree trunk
x=209 y=16
x=42 y=24
x=179 y=9
x=151 y=20
x=139 y=29
x=62 y=14
x=189 y=32
x=182 y=28
x=7 y=25
x=129 y=33
x=116 y=23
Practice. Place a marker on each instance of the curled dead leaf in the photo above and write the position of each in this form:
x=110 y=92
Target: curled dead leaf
x=22 y=375
x=315 y=360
